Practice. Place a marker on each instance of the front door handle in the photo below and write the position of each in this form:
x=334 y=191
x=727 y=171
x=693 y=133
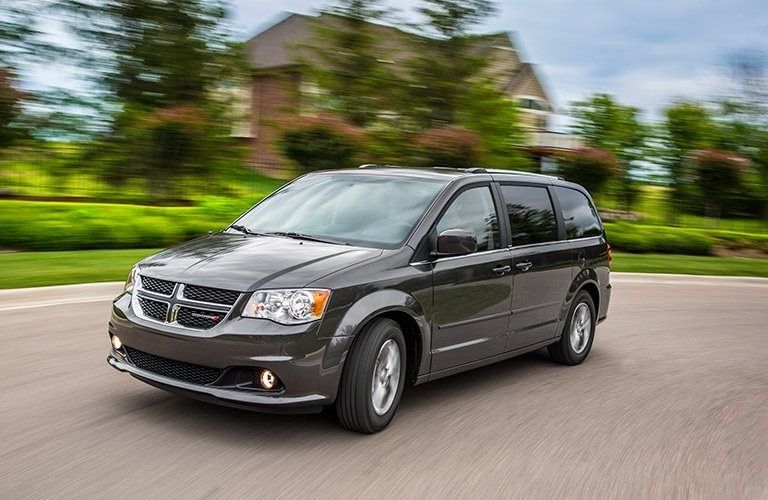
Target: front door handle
x=524 y=266
x=502 y=270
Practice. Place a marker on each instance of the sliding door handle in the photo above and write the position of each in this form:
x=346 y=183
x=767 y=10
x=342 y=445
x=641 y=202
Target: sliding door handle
x=524 y=266
x=502 y=270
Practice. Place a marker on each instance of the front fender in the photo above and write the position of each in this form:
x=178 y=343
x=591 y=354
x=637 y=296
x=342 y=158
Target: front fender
x=380 y=303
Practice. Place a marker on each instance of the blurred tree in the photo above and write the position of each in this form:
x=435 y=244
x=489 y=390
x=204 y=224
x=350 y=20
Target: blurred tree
x=496 y=120
x=605 y=124
x=445 y=67
x=718 y=175
x=743 y=112
x=347 y=64
x=19 y=37
x=590 y=167
x=10 y=108
x=688 y=127
x=324 y=142
x=158 y=63
x=450 y=146
x=20 y=43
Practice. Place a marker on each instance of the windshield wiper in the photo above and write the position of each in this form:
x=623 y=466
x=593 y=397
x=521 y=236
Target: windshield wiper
x=244 y=230
x=302 y=236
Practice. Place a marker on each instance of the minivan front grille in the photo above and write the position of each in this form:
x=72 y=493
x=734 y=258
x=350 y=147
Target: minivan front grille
x=154 y=309
x=178 y=370
x=211 y=295
x=199 y=319
x=155 y=285
x=188 y=306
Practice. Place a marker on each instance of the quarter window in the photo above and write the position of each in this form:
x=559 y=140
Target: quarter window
x=531 y=215
x=473 y=210
x=581 y=220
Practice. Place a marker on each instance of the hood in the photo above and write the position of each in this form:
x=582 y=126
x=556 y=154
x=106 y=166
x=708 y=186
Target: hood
x=235 y=262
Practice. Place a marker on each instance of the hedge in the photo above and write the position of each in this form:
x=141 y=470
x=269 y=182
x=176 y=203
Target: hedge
x=79 y=226
x=639 y=238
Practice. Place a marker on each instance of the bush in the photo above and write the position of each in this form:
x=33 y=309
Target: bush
x=636 y=238
x=78 y=226
x=320 y=143
x=451 y=146
x=589 y=167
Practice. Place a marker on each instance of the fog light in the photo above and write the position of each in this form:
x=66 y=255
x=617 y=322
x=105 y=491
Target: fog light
x=116 y=343
x=267 y=379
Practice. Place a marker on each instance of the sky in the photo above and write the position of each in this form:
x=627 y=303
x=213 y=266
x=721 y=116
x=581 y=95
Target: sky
x=647 y=53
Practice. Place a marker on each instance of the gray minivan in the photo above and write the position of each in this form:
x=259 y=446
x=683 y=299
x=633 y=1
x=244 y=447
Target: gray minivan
x=343 y=287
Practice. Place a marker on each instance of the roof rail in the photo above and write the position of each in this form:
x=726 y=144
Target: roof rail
x=522 y=172
x=379 y=165
x=476 y=170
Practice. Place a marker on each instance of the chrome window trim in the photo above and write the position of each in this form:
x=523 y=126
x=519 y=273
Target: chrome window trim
x=454 y=257
x=537 y=245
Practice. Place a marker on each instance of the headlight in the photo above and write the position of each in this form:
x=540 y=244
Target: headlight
x=288 y=307
x=132 y=277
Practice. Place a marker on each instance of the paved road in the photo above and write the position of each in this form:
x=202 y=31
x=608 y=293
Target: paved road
x=673 y=402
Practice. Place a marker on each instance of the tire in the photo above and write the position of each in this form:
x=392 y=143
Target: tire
x=573 y=348
x=356 y=406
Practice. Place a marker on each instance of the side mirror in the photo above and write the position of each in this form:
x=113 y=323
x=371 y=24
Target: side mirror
x=455 y=242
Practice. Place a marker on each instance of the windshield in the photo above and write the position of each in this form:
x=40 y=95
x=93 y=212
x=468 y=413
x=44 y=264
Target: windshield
x=365 y=210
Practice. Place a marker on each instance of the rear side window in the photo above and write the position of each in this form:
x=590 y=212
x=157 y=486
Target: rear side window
x=473 y=210
x=581 y=220
x=531 y=215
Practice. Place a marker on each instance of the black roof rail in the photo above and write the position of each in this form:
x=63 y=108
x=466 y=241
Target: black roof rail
x=523 y=172
x=476 y=170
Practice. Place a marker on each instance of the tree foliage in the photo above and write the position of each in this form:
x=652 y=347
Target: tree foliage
x=320 y=143
x=605 y=124
x=608 y=125
x=348 y=64
x=718 y=175
x=159 y=63
x=445 y=67
x=10 y=108
x=451 y=146
x=590 y=167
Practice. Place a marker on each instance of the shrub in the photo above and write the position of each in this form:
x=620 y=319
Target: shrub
x=636 y=238
x=78 y=226
x=320 y=143
x=451 y=146
x=719 y=175
x=590 y=167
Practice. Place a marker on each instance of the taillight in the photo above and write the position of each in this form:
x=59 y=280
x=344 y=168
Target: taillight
x=610 y=254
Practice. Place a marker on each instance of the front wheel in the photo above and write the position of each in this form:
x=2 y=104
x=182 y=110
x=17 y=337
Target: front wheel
x=578 y=332
x=373 y=378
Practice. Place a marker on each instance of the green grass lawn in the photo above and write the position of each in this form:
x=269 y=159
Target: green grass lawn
x=28 y=269
x=688 y=264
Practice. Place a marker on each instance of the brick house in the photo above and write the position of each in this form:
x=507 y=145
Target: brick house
x=278 y=86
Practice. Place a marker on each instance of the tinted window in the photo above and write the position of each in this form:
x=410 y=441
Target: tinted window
x=581 y=220
x=473 y=210
x=531 y=215
x=362 y=209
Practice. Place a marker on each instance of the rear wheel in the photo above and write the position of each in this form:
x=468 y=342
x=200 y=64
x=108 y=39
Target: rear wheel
x=373 y=378
x=578 y=332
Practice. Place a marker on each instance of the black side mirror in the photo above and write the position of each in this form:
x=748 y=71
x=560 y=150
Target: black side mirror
x=455 y=242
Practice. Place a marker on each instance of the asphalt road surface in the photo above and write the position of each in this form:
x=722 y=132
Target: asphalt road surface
x=672 y=402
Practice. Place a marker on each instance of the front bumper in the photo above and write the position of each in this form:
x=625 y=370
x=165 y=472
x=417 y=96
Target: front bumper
x=249 y=400
x=308 y=368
